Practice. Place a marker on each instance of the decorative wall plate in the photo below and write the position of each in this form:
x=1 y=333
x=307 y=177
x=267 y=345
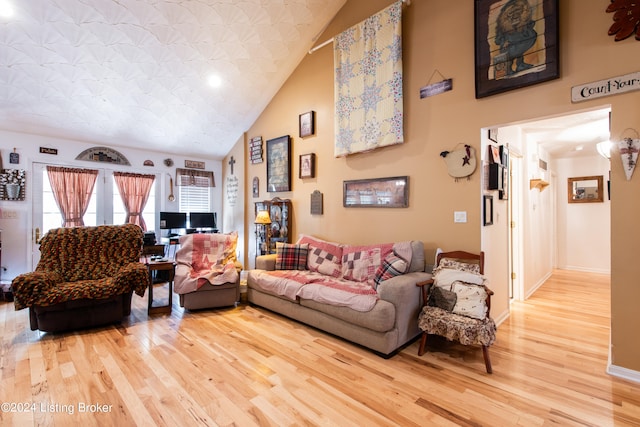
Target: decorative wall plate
x=168 y=162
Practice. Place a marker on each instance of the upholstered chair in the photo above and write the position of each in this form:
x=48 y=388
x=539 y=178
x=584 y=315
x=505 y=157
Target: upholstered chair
x=456 y=303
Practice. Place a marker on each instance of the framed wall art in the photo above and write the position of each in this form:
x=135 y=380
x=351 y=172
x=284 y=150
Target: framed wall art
x=307 y=123
x=279 y=164
x=516 y=44
x=308 y=165
x=487 y=210
x=392 y=192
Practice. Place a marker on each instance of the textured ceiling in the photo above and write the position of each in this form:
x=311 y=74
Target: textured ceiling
x=134 y=72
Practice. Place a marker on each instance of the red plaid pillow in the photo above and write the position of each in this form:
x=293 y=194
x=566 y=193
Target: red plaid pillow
x=291 y=257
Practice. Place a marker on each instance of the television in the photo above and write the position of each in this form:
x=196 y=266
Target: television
x=202 y=220
x=173 y=220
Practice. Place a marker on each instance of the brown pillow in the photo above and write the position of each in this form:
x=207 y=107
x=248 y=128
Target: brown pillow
x=442 y=298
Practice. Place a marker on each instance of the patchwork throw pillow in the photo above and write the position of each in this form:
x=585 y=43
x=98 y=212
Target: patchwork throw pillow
x=361 y=266
x=470 y=300
x=442 y=298
x=392 y=266
x=291 y=256
x=323 y=257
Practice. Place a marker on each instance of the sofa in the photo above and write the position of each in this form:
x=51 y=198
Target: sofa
x=86 y=277
x=207 y=271
x=363 y=294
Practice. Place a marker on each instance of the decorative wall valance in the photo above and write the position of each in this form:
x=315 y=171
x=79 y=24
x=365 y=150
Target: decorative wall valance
x=194 y=178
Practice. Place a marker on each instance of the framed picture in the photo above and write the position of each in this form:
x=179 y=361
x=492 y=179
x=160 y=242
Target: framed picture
x=392 y=192
x=493 y=134
x=193 y=164
x=307 y=123
x=516 y=44
x=487 y=210
x=279 y=164
x=256 y=187
x=308 y=165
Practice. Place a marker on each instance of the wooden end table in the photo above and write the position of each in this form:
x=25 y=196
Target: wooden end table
x=169 y=266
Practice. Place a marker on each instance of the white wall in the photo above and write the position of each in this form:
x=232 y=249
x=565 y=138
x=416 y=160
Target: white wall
x=16 y=216
x=583 y=229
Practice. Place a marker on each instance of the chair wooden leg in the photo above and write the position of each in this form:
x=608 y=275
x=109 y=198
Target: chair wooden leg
x=487 y=361
x=423 y=343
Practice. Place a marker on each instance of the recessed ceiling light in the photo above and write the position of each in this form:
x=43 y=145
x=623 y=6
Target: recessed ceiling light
x=214 y=80
x=6 y=10
x=579 y=147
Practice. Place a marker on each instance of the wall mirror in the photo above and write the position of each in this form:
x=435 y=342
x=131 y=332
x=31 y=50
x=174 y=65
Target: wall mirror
x=585 y=189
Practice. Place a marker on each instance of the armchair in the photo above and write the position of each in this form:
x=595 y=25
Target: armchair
x=85 y=277
x=207 y=271
x=456 y=303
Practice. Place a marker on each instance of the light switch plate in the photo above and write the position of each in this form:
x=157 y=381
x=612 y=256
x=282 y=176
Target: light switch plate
x=460 y=216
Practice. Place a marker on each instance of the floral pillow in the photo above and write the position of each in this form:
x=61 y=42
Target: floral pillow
x=470 y=300
x=291 y=257
x=459 y=265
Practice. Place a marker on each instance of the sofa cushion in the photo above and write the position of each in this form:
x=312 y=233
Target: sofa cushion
x=380 y=318
x=323 y=257
x=291 y=256
x=392 y=266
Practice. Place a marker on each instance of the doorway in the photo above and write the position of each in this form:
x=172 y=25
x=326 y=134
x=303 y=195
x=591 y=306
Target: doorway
x=541 y=226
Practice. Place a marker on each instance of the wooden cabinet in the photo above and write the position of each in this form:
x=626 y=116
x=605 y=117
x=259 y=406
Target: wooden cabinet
x=267 y=235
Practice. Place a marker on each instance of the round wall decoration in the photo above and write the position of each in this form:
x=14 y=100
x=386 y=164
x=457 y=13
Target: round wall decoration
x=168 y=162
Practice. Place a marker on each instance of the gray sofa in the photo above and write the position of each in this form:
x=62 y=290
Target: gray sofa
x=390 y=325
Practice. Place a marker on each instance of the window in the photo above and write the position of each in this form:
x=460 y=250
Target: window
x=194 y=192
x=194 y=199
x=98 y=212
x=149 y=212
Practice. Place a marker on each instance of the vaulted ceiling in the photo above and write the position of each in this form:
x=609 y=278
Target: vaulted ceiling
x=138 y=72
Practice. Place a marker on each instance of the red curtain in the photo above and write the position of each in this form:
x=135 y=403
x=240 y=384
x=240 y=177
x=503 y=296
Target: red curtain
x=72 y=190
x=134 y=190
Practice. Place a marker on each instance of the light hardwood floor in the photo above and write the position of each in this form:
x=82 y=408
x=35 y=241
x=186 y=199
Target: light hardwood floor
x=246 y=366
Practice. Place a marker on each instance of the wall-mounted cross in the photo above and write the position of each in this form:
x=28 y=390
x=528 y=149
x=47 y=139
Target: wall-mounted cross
x=231 y=163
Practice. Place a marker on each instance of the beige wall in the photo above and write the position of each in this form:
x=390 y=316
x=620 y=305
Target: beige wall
x=438 y=35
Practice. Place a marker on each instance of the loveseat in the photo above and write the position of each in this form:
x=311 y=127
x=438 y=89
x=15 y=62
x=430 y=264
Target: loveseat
x=364 y=294
x=85 y=277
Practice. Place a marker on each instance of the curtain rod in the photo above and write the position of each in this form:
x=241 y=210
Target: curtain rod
x=323 y=44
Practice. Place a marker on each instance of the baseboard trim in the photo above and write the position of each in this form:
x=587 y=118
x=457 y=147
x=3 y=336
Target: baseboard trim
x=620 y=372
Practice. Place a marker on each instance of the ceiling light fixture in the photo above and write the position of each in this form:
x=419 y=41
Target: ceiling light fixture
x=214 y=80
x=6 y=10
x=604 y=149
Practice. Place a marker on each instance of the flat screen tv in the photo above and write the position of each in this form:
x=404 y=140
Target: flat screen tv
x=202 y=220
x=173 y=220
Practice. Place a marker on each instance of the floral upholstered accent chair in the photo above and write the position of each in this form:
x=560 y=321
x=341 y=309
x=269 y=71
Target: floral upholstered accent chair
x=456 y=303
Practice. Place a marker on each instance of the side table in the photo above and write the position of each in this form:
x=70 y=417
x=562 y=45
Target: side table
x=170 y=267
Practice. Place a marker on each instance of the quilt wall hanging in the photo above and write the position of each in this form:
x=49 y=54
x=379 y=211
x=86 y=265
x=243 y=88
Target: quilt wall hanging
x=368 y=83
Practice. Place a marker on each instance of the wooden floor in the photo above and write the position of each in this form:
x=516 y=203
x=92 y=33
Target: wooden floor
x=246 y=366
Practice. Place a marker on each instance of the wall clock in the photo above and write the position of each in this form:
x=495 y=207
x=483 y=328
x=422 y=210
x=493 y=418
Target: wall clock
x=103 y=154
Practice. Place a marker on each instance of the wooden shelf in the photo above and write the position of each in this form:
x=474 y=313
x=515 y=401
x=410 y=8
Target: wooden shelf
x=540 y=184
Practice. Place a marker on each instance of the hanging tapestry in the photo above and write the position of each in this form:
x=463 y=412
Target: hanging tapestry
x=368 y=83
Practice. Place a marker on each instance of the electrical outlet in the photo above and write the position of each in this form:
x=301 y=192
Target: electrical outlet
x=460 y=216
